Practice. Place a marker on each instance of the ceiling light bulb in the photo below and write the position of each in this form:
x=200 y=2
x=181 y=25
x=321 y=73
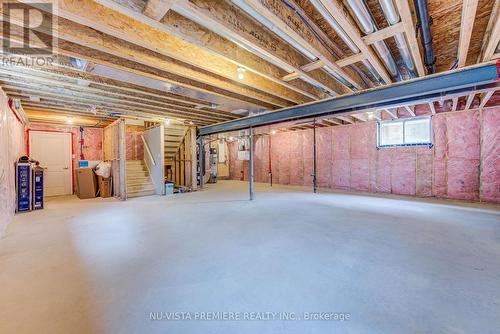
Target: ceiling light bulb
x=241 y=73
x=167 y=122
x=370 y=115
x=69 y=120
x=273 y=132
x=230 y=138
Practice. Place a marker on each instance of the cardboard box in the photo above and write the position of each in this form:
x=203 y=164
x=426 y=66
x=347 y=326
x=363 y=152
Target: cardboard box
x=104 y=186
x=86 y=183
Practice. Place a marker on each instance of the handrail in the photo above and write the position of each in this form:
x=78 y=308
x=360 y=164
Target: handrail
x=146 y=146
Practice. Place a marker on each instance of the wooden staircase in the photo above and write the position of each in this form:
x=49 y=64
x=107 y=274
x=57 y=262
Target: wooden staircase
x=174 y=135
x=138 y=180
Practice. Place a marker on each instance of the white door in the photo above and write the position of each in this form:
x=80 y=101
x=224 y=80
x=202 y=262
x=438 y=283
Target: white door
x=53 y=150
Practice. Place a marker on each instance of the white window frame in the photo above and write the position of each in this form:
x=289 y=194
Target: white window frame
x=403 y=121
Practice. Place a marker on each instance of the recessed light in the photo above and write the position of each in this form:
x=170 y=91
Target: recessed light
x=241 y=72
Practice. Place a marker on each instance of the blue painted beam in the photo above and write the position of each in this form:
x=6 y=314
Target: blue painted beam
x=416 y=91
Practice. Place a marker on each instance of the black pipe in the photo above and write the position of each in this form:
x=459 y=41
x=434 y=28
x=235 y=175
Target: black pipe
x=424 y=22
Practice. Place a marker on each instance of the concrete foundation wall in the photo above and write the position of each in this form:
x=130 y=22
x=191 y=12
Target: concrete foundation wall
x=464 y=162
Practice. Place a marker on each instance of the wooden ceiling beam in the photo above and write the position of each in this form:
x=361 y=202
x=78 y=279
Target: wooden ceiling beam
x=122 y=32
x=391 y=113
x=146 y=63
x=203 y=37
x=469 y=8
x=432 y=108
x=485 y=97
x=62 y=100
x=313 y=66
x=410 y=110
x=385 y=33
x=73 y=76
x=42 y=81
x=492 y=34
x=36 y=90
x=285 y=19
x=409 y=27
x=85 y=105
x=196 y=34
x=470 y=99
x=340 y=15
x=454 y=104
x=357 y=57
x=156 y=9
x=346 y=119
x=235 y=25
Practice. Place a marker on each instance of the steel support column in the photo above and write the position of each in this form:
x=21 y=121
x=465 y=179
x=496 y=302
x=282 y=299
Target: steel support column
x=250 y=176
x=201 y=159
x=315 y=179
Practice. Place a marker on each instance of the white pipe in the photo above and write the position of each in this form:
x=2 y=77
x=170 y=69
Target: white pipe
x=362 y=15
x=347 y=40
x=392 y=17
x=367 y=24
x=390 y=12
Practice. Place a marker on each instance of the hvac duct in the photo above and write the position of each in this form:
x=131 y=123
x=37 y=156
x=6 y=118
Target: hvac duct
x=347 y=40
x=367 y=25
x=426 y=36
x=392 y=17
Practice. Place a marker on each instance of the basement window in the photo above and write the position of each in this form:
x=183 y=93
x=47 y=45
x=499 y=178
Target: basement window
x=409 y=132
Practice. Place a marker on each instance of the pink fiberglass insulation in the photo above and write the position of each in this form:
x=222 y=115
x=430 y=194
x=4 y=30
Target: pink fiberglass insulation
x=462 y=164
x=284 y=158
x=463 y=178
x=359 y=154
x=296 y=165
x=383 y=171
x=92 y=140
x=462 y=134
x=307 y=157
x=341 y=162
x=11 y=148
x=134 y=145
x=324 y=151
x=403 y=173
x=490 y=156
x=423 y=170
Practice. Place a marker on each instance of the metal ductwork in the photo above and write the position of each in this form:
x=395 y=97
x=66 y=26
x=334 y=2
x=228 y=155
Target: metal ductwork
x=424 y=21
x=347 y=40
x=368 y=26
x=392 y=17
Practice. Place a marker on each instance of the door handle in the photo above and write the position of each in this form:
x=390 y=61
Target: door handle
x=66 y=168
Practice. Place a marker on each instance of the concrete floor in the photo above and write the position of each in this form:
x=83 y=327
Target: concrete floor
x=395 y=265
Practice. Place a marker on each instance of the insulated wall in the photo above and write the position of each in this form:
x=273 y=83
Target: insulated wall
x=11 y=148
x=134 y=145
x=92 y=140
x=464 y=162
